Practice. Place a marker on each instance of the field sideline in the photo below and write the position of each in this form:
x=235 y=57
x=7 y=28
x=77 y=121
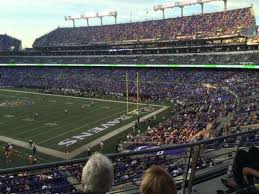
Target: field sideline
x=53 y=128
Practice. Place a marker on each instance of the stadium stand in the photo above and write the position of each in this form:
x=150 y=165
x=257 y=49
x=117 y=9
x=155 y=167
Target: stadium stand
x=227 y=37
x=157 y=84
x=8 y=43
x=227 y=23
x=227 y=58
x=222 y=102
x=184 y=87
x=215 y=114
x=181 y=86
x=64 y=177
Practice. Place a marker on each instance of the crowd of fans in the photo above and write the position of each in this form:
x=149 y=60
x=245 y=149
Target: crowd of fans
x=204 y=96
x=202 y=99
x=209 y=24
x=155 y=84
x=100 y=174
x=207 y=58
x=124 y=170
x=55 y=181
x=202 y=112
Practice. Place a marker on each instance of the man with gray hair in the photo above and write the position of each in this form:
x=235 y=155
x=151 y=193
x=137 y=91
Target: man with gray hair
x=97 y=175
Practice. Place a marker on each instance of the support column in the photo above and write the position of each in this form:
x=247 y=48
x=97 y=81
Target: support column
x=163 y=12
x=181 y=10
x=195 y=158
x=74 y=23
x=115 y=19
x=101 y=19
x=202 y=8
x=225 y=5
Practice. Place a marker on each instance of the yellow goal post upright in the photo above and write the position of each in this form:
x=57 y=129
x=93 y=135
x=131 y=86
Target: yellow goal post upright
x=137 y=91
x=127 y=92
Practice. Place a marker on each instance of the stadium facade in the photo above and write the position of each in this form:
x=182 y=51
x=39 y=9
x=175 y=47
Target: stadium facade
x=228 y=37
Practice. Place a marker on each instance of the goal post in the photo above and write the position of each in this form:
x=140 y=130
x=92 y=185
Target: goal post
x=127 y=92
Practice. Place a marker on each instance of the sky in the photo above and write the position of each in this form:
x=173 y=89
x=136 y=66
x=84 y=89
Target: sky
x=30 y=19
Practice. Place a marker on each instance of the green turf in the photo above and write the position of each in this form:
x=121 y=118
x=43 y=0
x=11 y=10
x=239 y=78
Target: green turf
x=53 y=124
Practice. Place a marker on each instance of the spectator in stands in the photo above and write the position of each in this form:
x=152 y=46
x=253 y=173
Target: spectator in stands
x=97 y=175
x=208 y=25
x=156 y=180
x=246 y=165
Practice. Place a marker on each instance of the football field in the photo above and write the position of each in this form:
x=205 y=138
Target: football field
x=53 y=121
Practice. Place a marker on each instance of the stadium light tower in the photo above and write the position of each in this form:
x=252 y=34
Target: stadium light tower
x=88 y=17
x=73 y=19
x=163 y=7
x=103 y=14
x=202 y=3
x=160 y=8
x=183 y=3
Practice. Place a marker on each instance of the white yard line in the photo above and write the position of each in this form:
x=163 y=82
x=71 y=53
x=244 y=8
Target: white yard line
x=94 y=143
x=54 y=128
x=75 y=129
x=113 y=133
x=82 y=149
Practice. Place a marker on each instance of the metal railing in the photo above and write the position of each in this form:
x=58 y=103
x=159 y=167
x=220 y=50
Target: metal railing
x=194 y=163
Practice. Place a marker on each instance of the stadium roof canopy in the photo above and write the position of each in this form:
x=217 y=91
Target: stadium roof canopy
x=8 y=43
